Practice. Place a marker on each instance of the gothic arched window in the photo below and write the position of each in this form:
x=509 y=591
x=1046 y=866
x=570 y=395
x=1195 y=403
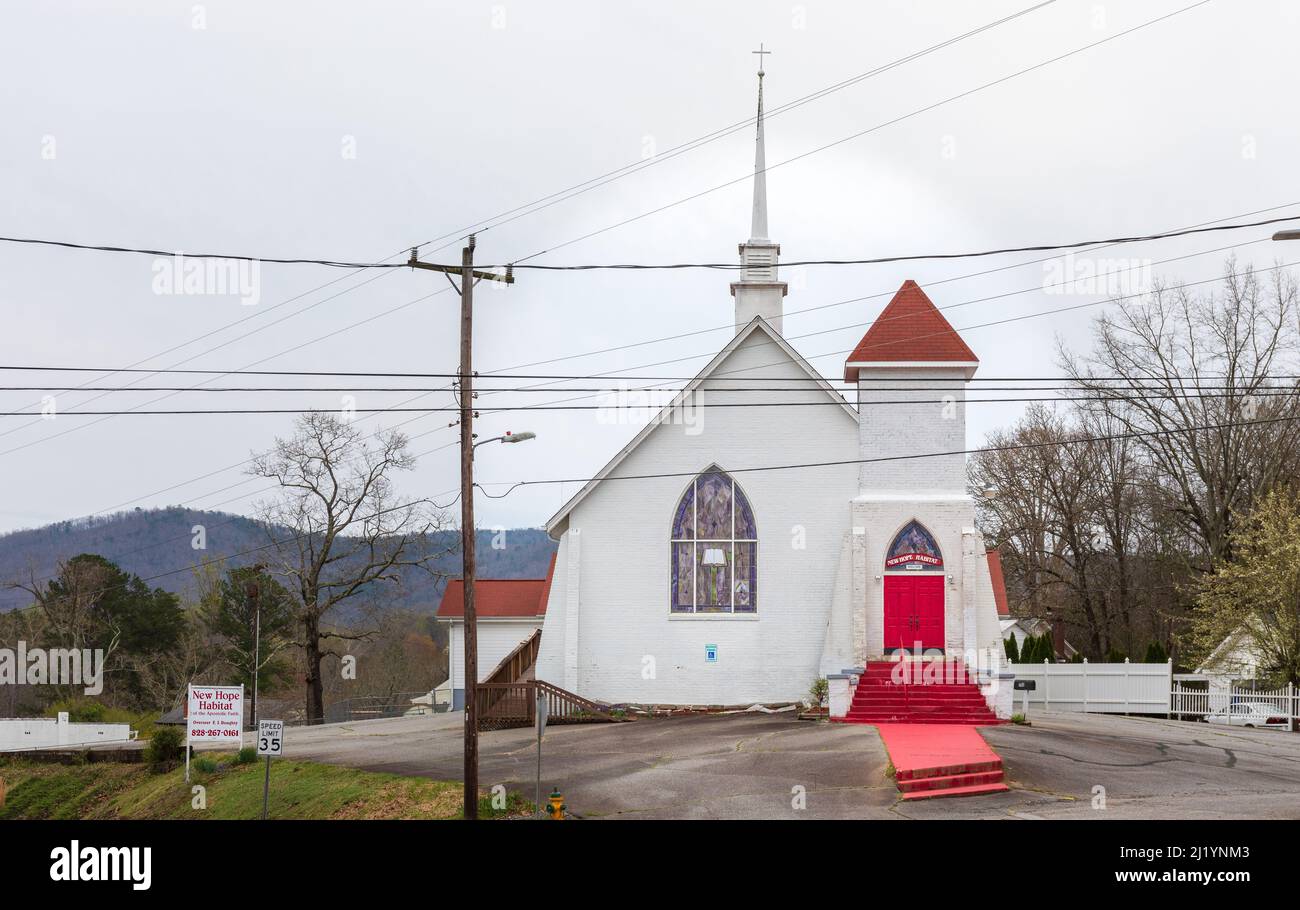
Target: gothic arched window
x=914 y=548
x=714 y=548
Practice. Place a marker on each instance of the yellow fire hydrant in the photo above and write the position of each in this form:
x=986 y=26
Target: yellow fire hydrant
x=555 y=809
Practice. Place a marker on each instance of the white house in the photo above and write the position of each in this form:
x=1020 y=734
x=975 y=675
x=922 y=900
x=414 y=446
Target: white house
x=732 y=553
x=1236 y=659
x=509 y=611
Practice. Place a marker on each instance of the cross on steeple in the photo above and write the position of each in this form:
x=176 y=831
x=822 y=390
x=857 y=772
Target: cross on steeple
x=760 y=53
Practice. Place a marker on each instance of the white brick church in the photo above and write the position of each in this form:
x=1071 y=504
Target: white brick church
x=732 y=555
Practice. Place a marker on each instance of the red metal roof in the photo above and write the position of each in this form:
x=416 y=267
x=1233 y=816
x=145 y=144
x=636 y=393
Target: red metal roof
x=909 y=330
x=499 y=597
x=999 y=583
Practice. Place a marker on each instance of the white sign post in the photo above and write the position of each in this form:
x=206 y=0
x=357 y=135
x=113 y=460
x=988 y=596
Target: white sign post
x=270 y=742
x=543 y=714
x=214 y=715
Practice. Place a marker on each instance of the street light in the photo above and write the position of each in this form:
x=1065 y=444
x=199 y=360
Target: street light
x=471 y=621
x=1287 y=235
x=508 y=437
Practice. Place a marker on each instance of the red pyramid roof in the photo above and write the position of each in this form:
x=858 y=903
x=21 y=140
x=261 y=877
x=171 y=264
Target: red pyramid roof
x=910 y=330
x=499 y=598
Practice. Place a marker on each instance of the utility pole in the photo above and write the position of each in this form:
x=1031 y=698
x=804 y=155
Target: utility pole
x=468 y=277
x=253 y=595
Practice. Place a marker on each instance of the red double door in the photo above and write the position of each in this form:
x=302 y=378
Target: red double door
x=913 y=612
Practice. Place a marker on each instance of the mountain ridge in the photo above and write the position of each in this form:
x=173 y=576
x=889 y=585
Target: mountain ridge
x=161 y=542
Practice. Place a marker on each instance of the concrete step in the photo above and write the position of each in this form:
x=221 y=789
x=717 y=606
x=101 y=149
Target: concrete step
x=973 y=790
x=950 y=781
x=989 y=766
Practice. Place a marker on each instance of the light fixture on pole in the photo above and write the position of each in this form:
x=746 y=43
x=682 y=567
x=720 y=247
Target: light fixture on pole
x=508 y=437
x=1287 y=235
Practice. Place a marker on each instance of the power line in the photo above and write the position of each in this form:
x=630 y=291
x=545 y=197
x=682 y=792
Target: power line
x=611 y=390
x=911 y=339
x=1010 y=447
x=1109 y=241
x=916 y=257
x=169 y=254
x=1120 y=395
x=798 y=311
x=183 y=412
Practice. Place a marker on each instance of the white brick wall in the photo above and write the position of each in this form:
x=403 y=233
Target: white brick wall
x=496 y=639
x=891 y=430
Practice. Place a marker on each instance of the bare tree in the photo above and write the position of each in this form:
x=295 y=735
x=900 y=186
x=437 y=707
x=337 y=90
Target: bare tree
x=1045 y=473
x=71 y=610
x=1196 y=378
x=339 y=528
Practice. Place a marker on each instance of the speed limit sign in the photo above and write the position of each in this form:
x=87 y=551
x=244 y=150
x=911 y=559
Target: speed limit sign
x=270 y=738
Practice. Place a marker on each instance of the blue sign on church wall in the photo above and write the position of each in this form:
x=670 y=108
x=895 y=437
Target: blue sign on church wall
x=711 y=653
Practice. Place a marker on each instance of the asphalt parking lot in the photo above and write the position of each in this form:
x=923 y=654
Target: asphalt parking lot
x=754 y=765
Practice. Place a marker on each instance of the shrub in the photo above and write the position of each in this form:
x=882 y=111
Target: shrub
x=80 y=710
x=1156 y=653
x=819 y=690
x=165 y=748
x=1018 y=718
x=206 y=765
x=246 y=756
x=1029 y=651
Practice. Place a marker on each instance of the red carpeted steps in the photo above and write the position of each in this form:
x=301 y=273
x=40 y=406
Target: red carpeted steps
x=918 y=692
x=941 y=760
x=925 y=711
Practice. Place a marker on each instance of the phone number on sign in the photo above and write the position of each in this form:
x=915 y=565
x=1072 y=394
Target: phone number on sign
x=231 y=733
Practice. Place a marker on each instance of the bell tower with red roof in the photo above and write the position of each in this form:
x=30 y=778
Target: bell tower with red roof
x=921 y=581
x=911 y=369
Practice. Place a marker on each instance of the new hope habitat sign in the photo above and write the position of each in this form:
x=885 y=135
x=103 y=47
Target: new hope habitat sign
x=215 y=714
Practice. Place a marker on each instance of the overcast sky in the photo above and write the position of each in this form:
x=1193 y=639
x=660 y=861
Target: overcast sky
x=353 y=130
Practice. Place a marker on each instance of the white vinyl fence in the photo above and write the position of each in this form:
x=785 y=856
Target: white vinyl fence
x=1197 y=701
x=20 y=734
x=1126 y=688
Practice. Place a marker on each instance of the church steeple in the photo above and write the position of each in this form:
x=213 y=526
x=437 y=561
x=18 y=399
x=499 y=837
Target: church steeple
x=758 y=225
x=758 y=292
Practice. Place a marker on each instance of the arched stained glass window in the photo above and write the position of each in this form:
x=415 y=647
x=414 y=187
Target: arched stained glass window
x=914 y=548
x=714 y=548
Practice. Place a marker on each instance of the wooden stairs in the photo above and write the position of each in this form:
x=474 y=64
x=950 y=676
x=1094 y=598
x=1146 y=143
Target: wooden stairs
x=507 y=698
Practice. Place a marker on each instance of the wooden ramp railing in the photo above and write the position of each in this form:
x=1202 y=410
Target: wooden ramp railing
x=514 y=704
x=515 y=665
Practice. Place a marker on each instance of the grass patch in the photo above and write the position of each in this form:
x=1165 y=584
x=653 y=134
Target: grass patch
x=232 y=790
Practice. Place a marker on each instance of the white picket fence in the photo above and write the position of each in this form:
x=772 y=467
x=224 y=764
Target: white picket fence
x=1110 y=688
x=1187 y=701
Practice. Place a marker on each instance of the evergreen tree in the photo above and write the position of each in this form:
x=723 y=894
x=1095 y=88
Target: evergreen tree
x=1013 y=651
x=251 y=613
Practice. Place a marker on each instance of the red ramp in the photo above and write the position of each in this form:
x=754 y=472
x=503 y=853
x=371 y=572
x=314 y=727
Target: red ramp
x=941 y=760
